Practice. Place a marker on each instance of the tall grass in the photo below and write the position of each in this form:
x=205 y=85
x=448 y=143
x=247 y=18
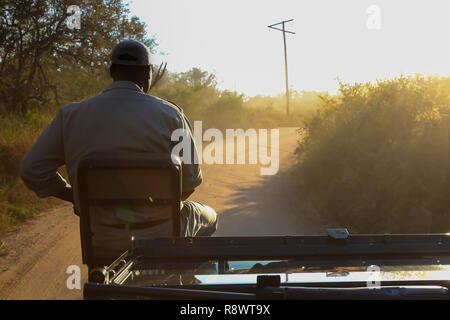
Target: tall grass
x=17 y=135
x=376 y=156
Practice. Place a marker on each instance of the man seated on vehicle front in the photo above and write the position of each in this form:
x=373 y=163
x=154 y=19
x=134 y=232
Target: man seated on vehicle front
x=121 y=119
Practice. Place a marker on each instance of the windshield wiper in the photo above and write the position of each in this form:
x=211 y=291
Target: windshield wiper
x=93 y=291
x=388 y=292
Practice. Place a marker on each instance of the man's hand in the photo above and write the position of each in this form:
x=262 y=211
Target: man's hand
x=186 y=195
x=66 y=194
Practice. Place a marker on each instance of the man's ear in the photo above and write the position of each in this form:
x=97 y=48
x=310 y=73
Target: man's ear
x=147 y=77
x=111 y=71
x=150 y=76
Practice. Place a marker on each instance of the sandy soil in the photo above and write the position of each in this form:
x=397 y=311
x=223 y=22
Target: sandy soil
x=247 y=203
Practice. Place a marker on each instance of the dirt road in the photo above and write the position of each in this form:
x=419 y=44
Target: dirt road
x=247 y=203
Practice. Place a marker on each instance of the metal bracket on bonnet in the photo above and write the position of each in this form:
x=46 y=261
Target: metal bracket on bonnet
x=338 y=233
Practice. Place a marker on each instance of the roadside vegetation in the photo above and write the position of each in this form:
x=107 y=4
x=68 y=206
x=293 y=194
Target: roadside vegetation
x=375 y=157
x=196 y=92
x=17 y=134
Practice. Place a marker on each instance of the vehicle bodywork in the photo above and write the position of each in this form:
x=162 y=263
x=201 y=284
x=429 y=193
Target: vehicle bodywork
x=337 y=266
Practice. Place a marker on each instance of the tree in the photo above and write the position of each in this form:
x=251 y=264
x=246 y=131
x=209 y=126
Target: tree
x=37 y=43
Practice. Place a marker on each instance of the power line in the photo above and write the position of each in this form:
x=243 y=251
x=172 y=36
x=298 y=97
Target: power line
x=272 y=26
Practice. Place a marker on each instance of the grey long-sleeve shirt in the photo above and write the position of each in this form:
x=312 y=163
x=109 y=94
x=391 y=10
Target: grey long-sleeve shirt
x=120 y=119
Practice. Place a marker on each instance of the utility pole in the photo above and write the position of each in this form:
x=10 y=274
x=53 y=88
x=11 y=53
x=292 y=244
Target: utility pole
x=272 y=26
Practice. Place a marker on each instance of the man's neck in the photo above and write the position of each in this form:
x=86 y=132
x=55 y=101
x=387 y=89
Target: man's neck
x=134 y=81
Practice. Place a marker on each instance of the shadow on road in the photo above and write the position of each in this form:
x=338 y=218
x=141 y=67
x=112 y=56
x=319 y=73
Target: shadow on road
x=272 y=206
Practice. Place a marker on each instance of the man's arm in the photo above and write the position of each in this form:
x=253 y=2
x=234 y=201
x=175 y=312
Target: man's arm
x=191 y=172
x=39 y=166
x=186 y=195
x=66 y=194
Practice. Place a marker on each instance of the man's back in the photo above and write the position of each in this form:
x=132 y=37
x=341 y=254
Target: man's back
x=118 y=119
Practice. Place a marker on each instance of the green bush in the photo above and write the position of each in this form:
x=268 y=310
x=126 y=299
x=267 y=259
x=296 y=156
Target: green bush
x=376 y=156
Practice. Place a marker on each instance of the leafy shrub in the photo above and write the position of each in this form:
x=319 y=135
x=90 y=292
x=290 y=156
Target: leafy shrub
x=376 y=156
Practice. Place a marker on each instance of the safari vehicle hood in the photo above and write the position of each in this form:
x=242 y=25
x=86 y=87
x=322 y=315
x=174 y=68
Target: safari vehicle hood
x=397 y=266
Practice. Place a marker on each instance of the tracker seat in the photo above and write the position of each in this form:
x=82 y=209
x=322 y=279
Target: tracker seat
x=123 y=196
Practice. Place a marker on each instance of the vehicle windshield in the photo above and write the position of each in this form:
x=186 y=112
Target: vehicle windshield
x=291 y=273
x=308 y=260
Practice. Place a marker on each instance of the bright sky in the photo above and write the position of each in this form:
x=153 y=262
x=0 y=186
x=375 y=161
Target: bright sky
x=231 y=38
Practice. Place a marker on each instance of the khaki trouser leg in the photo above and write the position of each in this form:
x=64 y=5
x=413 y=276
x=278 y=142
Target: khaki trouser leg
x=197 y=219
